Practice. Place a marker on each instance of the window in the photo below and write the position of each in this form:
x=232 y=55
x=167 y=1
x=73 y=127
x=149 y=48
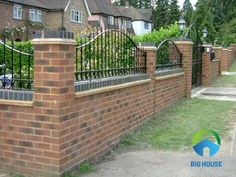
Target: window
x=17 y=12
x=76 y=16
x=129 y=24
x=35 y=15
x=110 y=20
x=146 y=25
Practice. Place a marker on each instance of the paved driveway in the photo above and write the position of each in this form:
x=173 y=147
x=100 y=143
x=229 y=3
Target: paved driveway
x=156 y=163
x=162 y=164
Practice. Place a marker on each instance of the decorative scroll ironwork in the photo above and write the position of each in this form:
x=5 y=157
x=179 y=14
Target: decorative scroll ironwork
x=16 y=65
x=198 y=49
x=168 y=56
x=107 y=53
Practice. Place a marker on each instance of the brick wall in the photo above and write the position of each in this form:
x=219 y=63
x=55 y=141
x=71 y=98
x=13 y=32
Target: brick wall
x=60 y=129
x=210 y=68
x=218 y=56
x=214 y=70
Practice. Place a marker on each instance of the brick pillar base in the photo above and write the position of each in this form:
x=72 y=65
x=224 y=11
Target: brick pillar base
x=186 y=48
x=224 y=60
x=54 y=94
x=219 y=55
x=206 y=66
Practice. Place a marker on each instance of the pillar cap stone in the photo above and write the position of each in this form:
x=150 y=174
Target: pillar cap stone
x=207 y=45
x=217 y=47
x=184 y=42
x=53 y=41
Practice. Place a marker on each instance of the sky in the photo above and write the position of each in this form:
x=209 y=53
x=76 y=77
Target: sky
x=192 y=1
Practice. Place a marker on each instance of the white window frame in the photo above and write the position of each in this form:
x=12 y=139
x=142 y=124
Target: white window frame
x=146 y=25
x=76 y=16
x=35 y=15
x=110 y=20
x=17 y=12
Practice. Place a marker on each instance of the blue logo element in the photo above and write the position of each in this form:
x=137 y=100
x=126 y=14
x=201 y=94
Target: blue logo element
x=201 y=145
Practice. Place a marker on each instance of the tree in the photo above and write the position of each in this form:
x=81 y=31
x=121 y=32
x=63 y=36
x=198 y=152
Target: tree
x=202 y=17
x=173 y=12
x=187 y=11
x=160 y=14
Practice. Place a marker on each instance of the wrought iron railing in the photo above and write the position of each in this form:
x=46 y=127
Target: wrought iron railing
x=193 y=33
x=107 y=53
x=16 y=65
x=168 y=56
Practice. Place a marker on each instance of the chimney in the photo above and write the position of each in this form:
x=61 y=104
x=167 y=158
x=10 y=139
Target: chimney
x=126 y=4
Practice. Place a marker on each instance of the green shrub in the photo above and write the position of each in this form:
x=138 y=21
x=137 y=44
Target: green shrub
x=159 y=35
x=22 y=64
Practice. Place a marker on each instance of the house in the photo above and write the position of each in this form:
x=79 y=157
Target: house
x=69 y=15
x=105 y=15
x=141 y=18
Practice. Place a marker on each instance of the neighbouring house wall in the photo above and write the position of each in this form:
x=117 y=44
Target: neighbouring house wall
x=139 y=29
x=97 y=18
x=6 y=16
x=54 y=20
x=76 y=5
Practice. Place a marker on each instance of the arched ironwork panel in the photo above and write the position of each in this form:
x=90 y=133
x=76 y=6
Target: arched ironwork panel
x=107 y=53
x=168 y=56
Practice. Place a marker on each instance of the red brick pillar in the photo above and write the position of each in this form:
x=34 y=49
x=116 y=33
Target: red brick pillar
x=54 y=94
x=231 y=53
x=206 y=65
x=224 y=61
x=219 y=55
x=151 y=59
x=186 y=48
x=234 y=50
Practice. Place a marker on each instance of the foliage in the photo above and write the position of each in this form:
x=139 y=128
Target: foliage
x=174 y=127
x=219 y=16
x=227 y=33
x=160 y=16
x=109 y=53
x=173 y=12
x=187 y=11
x=156 y=37
x=203 y=18
x=159 y=35
x=12 y=32
x=20 y=62
x=84 y=168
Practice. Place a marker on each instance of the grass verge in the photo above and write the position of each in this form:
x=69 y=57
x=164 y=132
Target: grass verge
x=225 y=81
x=173 y=128
x=84 y=168
x=233 y=67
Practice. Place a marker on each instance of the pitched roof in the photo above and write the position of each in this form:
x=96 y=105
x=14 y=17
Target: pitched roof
x=46 y=4
x=102 y=7
x=146 y=14
x=136 y=14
